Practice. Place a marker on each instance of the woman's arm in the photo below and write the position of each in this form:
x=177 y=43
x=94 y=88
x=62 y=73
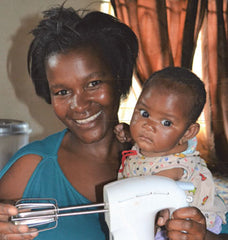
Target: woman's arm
x=13 y=183
x=212 y=236
x=222 y=237
x=12 y=186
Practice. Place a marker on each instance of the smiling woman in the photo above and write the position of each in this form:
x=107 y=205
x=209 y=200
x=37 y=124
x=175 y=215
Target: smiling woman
x=82 y=66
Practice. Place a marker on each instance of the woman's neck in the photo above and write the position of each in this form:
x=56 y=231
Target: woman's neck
x=100 y=150
x=97 y=163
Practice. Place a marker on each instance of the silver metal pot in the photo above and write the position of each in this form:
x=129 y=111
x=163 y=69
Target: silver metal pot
x=14 y=134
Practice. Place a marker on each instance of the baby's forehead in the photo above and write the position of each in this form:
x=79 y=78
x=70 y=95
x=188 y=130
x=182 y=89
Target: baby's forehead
x=169 y=88
x=181 y=94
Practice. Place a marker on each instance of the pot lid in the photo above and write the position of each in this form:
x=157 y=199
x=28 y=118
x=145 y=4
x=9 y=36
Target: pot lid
x=10 y=127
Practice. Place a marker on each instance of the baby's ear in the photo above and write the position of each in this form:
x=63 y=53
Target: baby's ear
x=190 y=133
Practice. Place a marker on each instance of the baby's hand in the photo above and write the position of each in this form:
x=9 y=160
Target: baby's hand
x=122 y=132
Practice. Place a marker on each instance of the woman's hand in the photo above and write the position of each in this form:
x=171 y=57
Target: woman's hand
x=9 y=231
x=186 y=224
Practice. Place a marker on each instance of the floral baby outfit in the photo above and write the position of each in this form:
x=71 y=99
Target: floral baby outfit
x=195 y=171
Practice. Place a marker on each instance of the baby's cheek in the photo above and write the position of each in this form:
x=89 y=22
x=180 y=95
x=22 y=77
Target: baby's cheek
x=134 y=126
x=135 y=119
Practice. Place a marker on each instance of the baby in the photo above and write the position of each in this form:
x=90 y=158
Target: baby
x=164 y=128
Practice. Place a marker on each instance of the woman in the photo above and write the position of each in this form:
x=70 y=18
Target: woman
x=82 y=66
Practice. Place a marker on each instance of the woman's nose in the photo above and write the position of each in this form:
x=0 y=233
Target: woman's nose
x=79 y=102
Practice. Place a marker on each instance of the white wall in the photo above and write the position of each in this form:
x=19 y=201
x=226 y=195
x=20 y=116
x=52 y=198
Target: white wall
x=17 y=95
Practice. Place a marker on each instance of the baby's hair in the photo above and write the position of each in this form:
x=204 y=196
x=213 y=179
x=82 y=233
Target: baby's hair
x=181 y=81
x=64 y=29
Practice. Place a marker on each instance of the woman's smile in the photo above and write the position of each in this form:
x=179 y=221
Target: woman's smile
x=89 y=119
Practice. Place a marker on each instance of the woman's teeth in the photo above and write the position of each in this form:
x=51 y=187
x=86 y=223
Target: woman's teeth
x=87 y=120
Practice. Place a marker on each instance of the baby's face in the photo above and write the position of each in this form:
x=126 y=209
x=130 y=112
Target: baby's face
x=159 y=121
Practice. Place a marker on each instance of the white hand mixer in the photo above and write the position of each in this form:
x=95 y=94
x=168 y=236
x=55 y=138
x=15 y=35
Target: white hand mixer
x=130 y=206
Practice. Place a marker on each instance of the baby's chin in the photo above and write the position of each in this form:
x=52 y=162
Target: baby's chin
x=149 y=153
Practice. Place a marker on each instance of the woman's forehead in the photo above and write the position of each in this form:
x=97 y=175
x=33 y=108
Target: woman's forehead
x=86 y=50
x=53 y=60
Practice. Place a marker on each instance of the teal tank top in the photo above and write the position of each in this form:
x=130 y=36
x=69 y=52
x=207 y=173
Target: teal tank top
x=225 y=226
x=48 y=181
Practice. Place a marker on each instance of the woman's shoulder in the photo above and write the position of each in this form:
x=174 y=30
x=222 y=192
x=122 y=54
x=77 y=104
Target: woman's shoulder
x=46 y=146
x=37 y=150
x=19 y=169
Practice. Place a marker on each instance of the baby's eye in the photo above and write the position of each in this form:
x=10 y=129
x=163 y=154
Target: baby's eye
x=144 y=113
x=94 y=83
x=62 y=92
x=166 y=123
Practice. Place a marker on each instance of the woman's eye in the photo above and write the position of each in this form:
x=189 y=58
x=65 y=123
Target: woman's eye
x=94 y=83
x=61 y=92
x=144 y=113
x=166 y=123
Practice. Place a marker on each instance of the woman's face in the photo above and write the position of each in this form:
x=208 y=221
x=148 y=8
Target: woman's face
x=83 y=93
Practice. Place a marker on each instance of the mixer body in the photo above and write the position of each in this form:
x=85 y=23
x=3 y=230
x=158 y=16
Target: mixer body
x=134 y=202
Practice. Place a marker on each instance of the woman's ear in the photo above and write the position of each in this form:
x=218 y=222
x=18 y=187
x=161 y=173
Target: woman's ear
x=191 y=132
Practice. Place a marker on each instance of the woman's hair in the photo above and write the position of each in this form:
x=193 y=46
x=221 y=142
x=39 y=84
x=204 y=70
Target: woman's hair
x=181 y=81
x=63 y=29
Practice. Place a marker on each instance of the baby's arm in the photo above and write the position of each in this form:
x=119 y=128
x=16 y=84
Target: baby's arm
x=122 y=131
x=174 y=173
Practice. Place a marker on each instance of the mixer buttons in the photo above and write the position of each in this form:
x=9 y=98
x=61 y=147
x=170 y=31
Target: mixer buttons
x=189 y=199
